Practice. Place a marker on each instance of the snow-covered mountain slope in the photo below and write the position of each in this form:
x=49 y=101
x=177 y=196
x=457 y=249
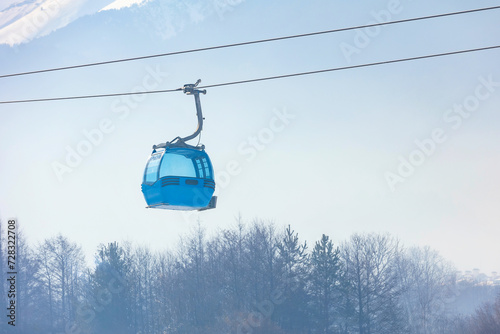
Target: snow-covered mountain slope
x=118 y=4
x=13 y=10
x=22 y=21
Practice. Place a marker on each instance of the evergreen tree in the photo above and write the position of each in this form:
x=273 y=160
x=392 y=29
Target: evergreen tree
x=292 y=314
x=110 y=292
x=325 y=284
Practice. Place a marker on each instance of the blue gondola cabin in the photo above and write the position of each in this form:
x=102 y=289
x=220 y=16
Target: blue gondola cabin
x=179 y=178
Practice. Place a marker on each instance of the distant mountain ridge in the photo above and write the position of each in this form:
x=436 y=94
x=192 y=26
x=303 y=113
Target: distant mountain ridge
x=22 y=21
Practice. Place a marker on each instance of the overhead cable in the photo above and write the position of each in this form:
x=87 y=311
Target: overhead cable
x=259 y=79
x=250 y=42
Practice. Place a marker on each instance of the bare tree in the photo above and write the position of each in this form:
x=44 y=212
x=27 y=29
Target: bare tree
x=30 y=294
x=260 y=257
x=233 y=258
x=61 y=268
x=144 y=279
x=426 y=280
x=486 y=320
x=369 y=262
x=166 y=293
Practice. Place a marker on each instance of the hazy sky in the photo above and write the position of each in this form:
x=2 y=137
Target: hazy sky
x=409 y=148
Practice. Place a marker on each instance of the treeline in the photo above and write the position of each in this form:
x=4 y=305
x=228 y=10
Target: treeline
x=248 y=279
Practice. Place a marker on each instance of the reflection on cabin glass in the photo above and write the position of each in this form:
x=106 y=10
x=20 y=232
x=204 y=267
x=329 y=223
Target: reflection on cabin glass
x=152 y=169
x=178 y=165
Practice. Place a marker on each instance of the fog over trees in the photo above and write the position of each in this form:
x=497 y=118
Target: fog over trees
x=252 y=278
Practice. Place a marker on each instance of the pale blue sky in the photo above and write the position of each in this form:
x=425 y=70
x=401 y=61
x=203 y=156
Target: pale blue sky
x=324 y=168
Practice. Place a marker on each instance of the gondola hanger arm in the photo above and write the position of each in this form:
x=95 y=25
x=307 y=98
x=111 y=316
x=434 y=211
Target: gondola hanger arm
x=189 y=89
